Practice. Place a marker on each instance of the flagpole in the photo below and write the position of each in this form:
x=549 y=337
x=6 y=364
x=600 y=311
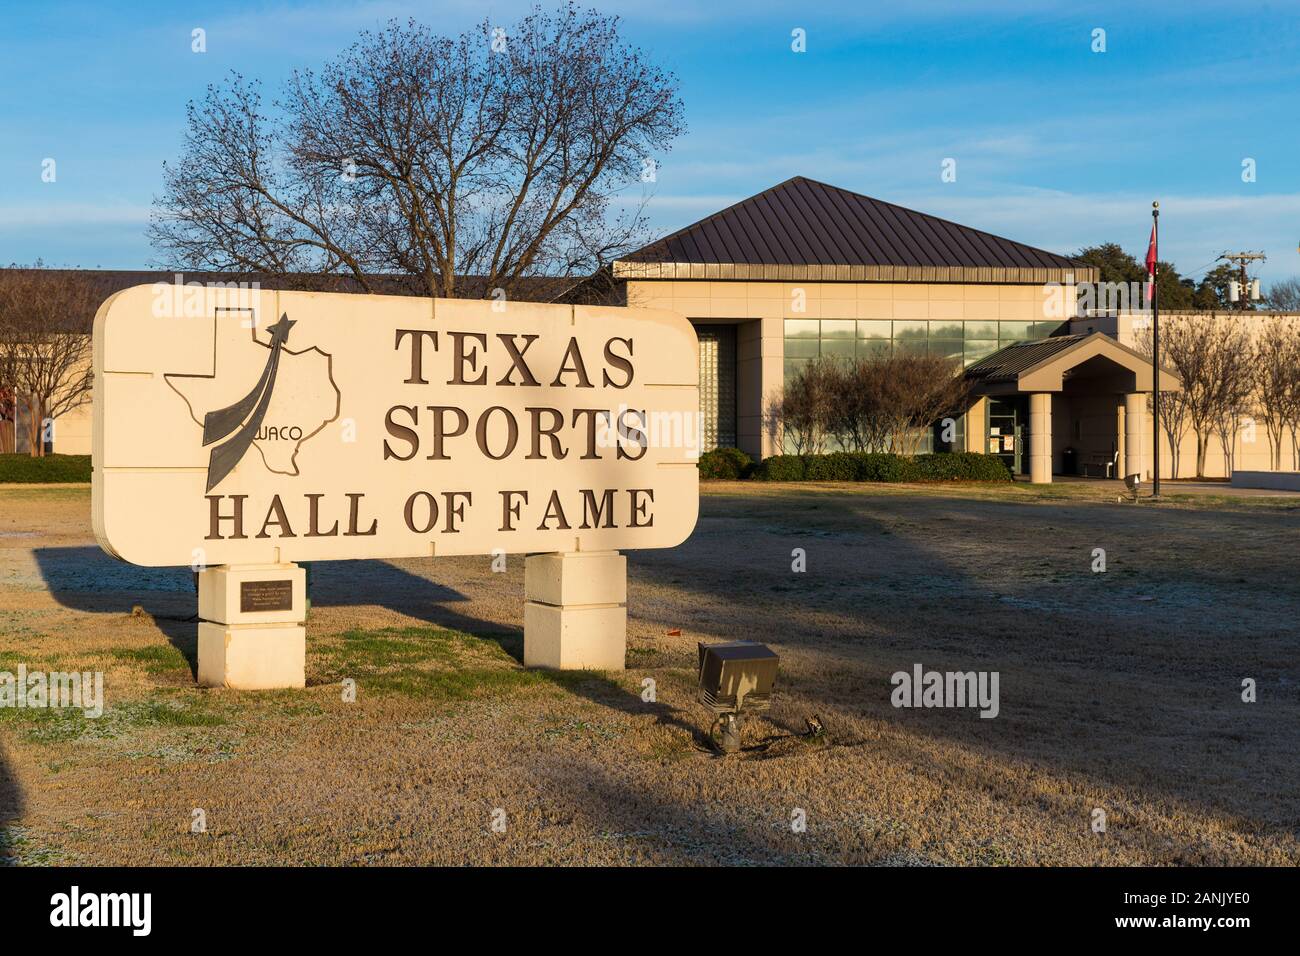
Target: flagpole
x=1155 y=357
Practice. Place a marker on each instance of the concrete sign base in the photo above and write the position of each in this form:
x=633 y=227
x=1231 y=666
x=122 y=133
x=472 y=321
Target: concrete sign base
x=251 y=635
x=575 y=613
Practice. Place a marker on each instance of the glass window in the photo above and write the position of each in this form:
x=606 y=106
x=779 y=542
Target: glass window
x=802 y=338
x=792 y=366
x=801 y=348
x=1044 y=329
x=978 y=349
x=802 y=329
x=945 y=330
x=874 y=329
x=911 y=335
x=948 y=348
x=870 y=347
x=982 y=331
x=840 y=348
x=1009 y=332
x=838 y=337
x=838 y=329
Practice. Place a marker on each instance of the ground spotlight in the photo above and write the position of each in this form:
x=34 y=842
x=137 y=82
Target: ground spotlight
x=733 y=677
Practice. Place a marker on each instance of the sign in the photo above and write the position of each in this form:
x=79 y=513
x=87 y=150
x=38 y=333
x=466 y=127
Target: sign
x=310 y=426
x=261 y=596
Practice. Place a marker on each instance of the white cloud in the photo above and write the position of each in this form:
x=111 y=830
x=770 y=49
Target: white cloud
x=25 y=216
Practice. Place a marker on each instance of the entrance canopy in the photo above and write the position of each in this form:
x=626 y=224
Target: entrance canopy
x=1094 y=361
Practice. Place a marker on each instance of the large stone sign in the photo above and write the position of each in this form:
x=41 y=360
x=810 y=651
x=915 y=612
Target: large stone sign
x=309 y=426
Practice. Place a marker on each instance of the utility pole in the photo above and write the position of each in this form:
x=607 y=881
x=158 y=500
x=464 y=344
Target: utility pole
x=1241 y=258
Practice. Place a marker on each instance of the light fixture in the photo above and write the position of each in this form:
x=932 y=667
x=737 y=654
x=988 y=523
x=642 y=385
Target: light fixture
x=734 y=677
x=1133 y=482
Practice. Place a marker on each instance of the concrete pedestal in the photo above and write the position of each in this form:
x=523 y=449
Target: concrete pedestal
x=252 y=635
x=575 y=613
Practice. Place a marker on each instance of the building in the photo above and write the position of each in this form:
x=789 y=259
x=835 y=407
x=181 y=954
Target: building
x=805 y=269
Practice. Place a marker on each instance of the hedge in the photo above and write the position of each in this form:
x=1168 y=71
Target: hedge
x=52 y=469
x=727 y=463
x=875 y=466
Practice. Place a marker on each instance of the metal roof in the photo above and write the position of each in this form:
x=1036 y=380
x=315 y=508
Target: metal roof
x=802 y=223
x=1043 y=365
x=1006 y=364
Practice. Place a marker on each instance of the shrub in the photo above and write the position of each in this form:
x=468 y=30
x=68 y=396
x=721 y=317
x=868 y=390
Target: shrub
x=780 y=468
x=879 y=466
x=837 y=466
x=726 y=463
x=961 y=466
x=883 y=467
x=51 y=469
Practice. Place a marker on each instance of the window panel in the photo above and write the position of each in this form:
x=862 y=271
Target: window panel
x=978 y=349
x=911 y=335
x=945 y=330
x=875 y=329
x=792 y=366
x=1015 y=332
x=949 y=348
x=801 y=348
x=802 y=329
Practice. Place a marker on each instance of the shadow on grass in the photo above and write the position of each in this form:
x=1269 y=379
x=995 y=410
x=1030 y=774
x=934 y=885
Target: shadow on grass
x=444 y=666
x=11 y=810
x=87 y=579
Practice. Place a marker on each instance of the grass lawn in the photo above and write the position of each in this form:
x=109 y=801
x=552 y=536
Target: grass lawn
x=1119 y=691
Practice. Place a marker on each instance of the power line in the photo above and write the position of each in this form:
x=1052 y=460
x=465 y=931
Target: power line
x=1244 y=289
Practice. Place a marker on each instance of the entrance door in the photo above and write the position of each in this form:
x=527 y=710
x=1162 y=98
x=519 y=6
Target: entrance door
x=717 y=385
x=1006 y=418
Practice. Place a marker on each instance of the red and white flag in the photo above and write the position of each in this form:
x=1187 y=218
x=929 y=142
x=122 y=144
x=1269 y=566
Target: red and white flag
x=1151 y=265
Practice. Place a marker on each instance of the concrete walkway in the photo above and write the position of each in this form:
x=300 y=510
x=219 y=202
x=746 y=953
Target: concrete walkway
x=1172 y=487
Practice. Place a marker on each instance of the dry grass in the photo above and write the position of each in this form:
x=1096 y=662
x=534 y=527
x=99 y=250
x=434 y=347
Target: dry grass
x=1118 y=690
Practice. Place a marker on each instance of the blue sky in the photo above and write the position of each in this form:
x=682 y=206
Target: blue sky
x=1055 y=145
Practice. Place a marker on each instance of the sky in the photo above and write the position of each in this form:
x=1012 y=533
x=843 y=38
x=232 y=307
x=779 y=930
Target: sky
x=1056 y=145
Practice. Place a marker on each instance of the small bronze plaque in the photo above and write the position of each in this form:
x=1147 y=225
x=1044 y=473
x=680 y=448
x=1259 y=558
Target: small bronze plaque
x=257 y=596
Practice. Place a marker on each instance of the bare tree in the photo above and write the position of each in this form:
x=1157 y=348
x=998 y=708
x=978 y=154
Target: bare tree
x=499 y=153
x=878 y=403
x=1284 y=296
x=855 y=414
x=1232 y=381
x=1177 y=350
x=8 y=403
x=805 y=407
x=44 y=347
x=1211 y=354
x=916 y=390
x=1276 y=365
